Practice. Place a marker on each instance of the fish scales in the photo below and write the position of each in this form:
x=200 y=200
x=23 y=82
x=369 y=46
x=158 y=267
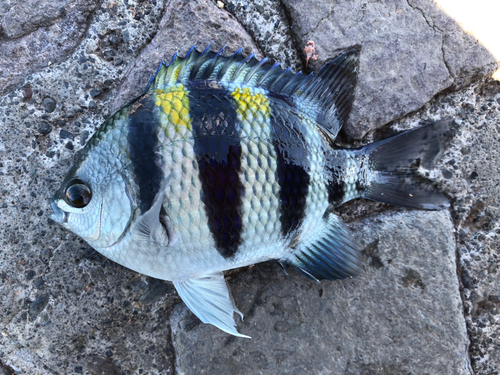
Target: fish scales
x=190 y=113
x=229 y=161
x=260 y=131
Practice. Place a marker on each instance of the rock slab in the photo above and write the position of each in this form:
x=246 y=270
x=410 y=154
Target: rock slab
x=409 y=53
x=467 y=172
x=403 y=315
x=66 y=65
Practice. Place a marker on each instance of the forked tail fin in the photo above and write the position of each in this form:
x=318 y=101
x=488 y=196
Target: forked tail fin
x=392 y=164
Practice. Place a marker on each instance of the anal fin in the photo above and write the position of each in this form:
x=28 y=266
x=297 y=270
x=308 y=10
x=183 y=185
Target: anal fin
x=210 y=300
x=329 y=252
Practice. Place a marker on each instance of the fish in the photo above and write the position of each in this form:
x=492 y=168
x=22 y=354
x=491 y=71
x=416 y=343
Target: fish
x=229 y=161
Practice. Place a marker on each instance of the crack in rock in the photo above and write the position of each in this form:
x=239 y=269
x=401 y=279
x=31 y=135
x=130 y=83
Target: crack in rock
x=436 y=29
x=319 y=22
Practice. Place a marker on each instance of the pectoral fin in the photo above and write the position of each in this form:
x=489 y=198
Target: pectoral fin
x=209 y=299
x=154 y=225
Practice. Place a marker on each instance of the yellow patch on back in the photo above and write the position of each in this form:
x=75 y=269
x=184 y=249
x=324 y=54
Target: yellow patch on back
x=174 y=103
x=251 y=105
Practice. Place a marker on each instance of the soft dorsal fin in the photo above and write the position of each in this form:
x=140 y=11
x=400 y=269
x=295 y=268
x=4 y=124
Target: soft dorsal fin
x=329 y=94
x=332 y=91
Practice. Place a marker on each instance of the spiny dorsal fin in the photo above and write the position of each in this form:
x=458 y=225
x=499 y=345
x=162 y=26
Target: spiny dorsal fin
x=330 y=93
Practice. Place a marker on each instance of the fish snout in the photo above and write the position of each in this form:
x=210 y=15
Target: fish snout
x=59 y=216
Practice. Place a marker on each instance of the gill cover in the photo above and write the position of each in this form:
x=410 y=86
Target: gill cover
x=99 y=211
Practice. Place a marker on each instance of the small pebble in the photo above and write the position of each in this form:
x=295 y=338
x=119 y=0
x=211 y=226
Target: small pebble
x=49 y=105
x=38 y=283
x=83 y=137
x=95 y=92
x=69 y=145
x=44 y=128
x=220 y=4
x=27 y=92
x=64 y=134
x=446 y=174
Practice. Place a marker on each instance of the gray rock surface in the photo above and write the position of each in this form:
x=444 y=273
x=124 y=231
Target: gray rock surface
x=195 y=23
x=401 y=316
x=267 y=21
x=35 y=34
x=411 y=50
x=64 y=309
x=469 y=174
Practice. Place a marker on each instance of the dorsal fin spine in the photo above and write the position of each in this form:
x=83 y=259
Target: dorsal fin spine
x=186 y=67
x=228 y=67
x=245 y=65
x=266 y=75
x=329 y=94
x=207 y=48
x=213 y=63
x=251 y=74
x=290 y=85
x=274 y=86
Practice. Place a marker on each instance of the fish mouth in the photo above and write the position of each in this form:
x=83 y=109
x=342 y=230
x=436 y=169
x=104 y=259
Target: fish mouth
x=59 y=216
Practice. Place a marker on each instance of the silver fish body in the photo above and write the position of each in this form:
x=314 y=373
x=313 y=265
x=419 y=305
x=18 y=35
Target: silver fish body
x=229 y=161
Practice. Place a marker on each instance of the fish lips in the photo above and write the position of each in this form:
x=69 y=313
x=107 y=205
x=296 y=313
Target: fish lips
x=59 y=216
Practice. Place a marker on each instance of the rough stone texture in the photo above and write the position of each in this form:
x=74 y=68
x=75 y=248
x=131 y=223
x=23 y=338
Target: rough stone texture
x=400 y=317
x=62 y=311
x=35 y=34
x=405 y=59
x=469 y=174
x=22 y=357
x=65 y=310
x=267 y=22
x=195 y=23
x=465 y=57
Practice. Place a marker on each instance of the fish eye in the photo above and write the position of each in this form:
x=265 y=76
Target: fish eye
x=78 y=194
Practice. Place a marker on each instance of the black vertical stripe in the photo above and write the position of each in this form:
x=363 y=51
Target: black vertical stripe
x=142 y=141
x=336 y=191
x=290 y=146
x=218 y=150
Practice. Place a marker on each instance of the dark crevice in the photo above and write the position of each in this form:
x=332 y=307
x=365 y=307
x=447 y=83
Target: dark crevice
x=319 y=22
x=294 y=37
x=171 y=347
x=446 y=63
x=421 y=12
x=7 y=369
